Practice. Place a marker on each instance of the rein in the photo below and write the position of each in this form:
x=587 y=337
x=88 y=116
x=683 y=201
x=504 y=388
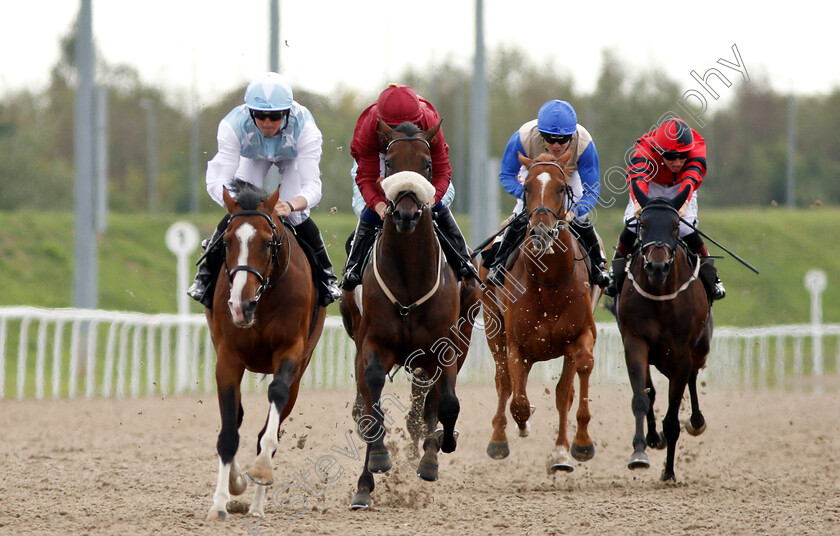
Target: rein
x=275 y=244
x=656 y=297
x=404 y=310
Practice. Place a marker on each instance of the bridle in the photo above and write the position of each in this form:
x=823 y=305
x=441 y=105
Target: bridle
x=274 y=244
x=560 y=219
x=671 y=252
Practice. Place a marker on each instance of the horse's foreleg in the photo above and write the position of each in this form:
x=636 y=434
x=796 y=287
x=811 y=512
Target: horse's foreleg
x=229 y=480
x=671 y=422
x=370 y=381
x=420 y=385
x=371 y=427
x=498 y=447
x=448 y=409
x=636 y=357
x=520 y=407
x=696 y=424
x=427 y=469
x=563 y=396
x=583 y=448
x=654 y=439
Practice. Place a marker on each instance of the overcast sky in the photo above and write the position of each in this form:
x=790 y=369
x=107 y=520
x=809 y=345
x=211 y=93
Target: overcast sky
x=213 y=46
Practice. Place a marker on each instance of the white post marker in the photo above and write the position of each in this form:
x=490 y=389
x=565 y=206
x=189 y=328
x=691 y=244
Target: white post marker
x=815 y=282
x=182 y=239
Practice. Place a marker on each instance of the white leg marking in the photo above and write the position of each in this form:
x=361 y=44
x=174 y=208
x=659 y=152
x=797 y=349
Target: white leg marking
x=258 y=504
x=222 y=494
x=268 y=442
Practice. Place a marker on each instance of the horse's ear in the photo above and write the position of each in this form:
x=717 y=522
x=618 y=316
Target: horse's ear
x=384 y=132
x=679 y=200
x=524 y=160
x=430 y=134
x=640 y=196
x=230 y=202
x=272 y=200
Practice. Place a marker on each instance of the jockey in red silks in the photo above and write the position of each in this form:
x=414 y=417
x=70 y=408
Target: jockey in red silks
x=667 y=160
x=398 y=104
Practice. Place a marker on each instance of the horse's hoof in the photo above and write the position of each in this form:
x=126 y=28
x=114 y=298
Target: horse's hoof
x=427 y=469
x=380 y=462
x=261 y=476
x=695 y=431
x=583 y=454
x=445 y=446
x=668 y=477
x=216 y=515
x=560 y=461
x=525 y=432
x=639 y=460
x=498 y=450
x=360 y=500
x=656 y=441
x=237 y=485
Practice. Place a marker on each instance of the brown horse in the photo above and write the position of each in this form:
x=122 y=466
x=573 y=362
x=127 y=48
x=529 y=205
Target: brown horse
x=410 y=311
x=665 y=320
x=265 y=318
x=543 y=311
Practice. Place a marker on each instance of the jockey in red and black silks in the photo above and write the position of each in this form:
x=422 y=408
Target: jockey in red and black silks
x=667 y=160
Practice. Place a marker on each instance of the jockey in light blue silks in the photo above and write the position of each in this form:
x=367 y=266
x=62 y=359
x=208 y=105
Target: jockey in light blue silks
x=271 y=128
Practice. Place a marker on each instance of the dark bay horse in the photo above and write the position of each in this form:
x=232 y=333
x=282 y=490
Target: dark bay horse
x=410 y=310
x=666 y=321
x=265 y=318
x=544 y=311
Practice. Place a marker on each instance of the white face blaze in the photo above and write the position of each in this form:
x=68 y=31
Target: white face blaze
x=244 y=234
x=544 y=179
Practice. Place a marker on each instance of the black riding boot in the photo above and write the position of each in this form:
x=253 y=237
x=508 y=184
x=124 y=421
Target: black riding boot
x=708 y=272
x=511 y=238
x=204 y=286
x=362 y=241
x=452 y=234
x=617 y=276
x=710 y=279
x=310 y=234
x=589 y=241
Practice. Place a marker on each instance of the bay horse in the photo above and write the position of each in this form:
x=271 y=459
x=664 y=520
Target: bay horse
x=544 y=311
x=410 y=310
x=665 y=320
x=265 y=319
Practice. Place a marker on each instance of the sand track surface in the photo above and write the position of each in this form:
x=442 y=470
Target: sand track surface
x=768 y=463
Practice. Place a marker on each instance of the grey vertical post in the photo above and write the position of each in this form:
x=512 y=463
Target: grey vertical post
x=274 y=36
x=101 y=151
x=458 y=152
x=151 y=154
x=85 y=272
x=195 y=171
x=480 y=220
x=791 y=157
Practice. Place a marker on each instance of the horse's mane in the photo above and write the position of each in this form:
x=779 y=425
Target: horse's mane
x=545 y=157
x=408 y=128
x=247 y=195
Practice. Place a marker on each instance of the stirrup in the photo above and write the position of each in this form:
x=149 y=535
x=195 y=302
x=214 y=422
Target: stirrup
x=718 y=292
x=602 y=277
x=496 y=276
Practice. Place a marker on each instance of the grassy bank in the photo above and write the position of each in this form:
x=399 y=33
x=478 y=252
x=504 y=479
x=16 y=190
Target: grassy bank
x=137 y=271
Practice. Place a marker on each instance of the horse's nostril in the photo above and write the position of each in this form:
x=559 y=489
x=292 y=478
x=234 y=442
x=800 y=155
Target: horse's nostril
x=249 y=308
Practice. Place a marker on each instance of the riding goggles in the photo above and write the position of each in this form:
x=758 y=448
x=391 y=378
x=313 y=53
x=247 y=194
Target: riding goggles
x=675 y=155
x=551 y=139
x=277 y=115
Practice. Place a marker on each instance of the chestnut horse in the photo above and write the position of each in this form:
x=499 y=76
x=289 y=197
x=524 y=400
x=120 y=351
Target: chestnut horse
x=266 y=319
x=544 y=311
x=666 y=321
x=410 y=310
